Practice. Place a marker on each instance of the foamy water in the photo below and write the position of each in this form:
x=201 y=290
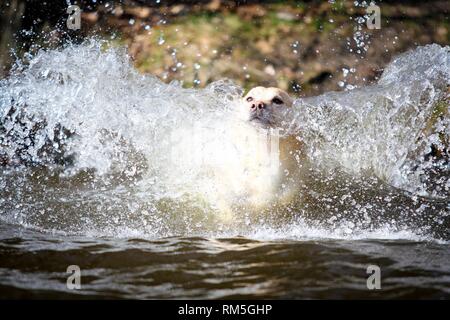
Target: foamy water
x=92 y=147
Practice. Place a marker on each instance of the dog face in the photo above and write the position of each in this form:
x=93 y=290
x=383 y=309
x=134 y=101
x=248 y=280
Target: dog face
x=266 y=106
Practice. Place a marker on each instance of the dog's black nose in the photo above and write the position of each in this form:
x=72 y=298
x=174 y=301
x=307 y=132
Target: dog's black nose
x=259 y=105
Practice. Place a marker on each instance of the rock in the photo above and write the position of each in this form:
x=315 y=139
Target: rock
x=89 y=17
x=118 y=11
x=214 y=5
x=270 y=70
x=177 y=9
x=251 y=11
x=283 y=15
x=138 y=12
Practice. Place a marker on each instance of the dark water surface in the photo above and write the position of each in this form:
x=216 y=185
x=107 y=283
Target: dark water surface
x=33 y=265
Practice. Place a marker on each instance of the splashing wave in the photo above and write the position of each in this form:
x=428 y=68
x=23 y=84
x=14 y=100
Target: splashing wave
x=87 y=147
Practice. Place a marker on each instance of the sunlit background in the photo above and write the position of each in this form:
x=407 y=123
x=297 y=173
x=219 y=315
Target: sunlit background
x=305 y=47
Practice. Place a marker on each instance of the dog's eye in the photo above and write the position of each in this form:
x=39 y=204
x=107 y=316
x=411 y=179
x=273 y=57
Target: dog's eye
x=249 y=99
x=277 y=101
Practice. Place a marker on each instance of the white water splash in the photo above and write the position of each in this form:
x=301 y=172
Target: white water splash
x=115 y=172
x=385 y=128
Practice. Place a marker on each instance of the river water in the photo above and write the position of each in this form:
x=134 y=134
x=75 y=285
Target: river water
x=97 y=171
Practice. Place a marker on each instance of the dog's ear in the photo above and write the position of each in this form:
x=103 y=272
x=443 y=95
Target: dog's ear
x=288 y=101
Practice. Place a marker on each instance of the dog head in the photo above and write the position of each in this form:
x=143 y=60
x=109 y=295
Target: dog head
x=266 y=106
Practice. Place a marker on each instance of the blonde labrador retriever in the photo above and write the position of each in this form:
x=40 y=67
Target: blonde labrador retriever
x=272 y=160
x=249 y=163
